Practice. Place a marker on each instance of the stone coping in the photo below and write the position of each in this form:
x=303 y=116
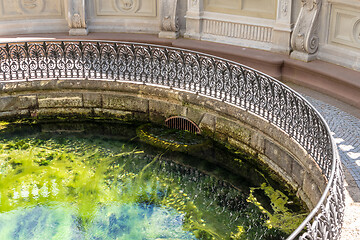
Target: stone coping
x=339 y=82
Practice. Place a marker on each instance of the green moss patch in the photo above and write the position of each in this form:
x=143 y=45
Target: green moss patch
x=172 y=139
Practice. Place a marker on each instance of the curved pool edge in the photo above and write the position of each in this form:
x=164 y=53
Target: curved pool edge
x=19 y=63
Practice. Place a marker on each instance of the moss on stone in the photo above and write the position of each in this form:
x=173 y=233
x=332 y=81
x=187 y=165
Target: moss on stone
x=281 y=217
x=172 y=139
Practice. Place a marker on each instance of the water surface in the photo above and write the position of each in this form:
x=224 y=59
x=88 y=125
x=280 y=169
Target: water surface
x=99 y=181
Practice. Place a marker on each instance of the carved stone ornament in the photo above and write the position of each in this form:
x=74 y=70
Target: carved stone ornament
x=127 y=5
x=76 y=17
x=284 y=8
x=169 y=19
x=31 y=6
x=76 y=21
x=356 y=31
x=170 y=24
x=304 y=38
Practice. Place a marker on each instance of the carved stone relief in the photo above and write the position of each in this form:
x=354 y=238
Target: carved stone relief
x=169 y=19
x=31 y=8
x=170 y=23
x=304 y=40
x=76 y=17
x=126 y=7
x=284 y=12
x=194 y=2
x=356 y=31
x=194 y=6
x=76 y=21
x=284 y=8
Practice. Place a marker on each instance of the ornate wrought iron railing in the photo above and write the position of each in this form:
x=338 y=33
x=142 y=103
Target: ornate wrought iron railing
x=202 y=74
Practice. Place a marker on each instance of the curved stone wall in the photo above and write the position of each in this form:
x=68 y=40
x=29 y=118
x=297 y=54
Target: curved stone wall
x=138 y=102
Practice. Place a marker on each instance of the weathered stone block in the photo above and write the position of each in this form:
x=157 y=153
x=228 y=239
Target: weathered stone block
x=125 y=102
x=240 y=145
x=278 y=155
x=194 y=114
x=14 y=114
x=257 y=141
x=311 y=189
x=207 y=124
x=297 y=172
x=15 y=86
x=92 y=100
x=302 y=195
x=283 y=159
x=214 y=104
x=167 y=109
x=160 y=92
x=157 y=118
x=58 y=100
x=27 y=102
x=126 y=116
x=280 y=173
x=44 y=84
x=221 y=137
x=71 y=112
x=63 y=127
x=8 y=103
x=141 y=117
x=233 y=129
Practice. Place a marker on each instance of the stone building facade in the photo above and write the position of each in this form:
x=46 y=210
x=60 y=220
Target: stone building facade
x=328 y=30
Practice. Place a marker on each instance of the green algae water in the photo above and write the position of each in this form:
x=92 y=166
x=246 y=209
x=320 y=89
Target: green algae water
x=110 y=181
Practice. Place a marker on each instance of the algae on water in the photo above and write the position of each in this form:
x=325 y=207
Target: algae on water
x=95 y=186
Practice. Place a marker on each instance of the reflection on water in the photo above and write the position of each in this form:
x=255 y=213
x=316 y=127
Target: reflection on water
x=97 y=181
x=110 y=221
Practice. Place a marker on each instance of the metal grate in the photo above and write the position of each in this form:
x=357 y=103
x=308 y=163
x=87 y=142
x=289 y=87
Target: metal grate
x=182 y=123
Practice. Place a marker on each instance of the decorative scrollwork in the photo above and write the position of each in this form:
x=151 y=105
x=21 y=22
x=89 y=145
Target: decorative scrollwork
x=3 y=54
x=17 y=52
x=304 y=38
x=108 y=59
x=36 y=51
x=199 y=73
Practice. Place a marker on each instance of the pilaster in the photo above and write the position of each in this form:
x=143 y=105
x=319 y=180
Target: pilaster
x=194 y=19
x=169 y=24
x=76 y=17
x=283 y=27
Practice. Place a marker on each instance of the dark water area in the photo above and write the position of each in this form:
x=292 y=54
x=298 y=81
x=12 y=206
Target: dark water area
x=107 y=180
